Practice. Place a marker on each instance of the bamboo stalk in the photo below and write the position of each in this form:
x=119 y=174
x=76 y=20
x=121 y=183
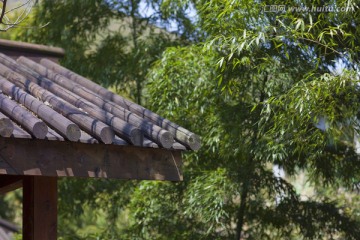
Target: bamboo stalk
x=124 y=129
x=35 y=126
x=86 y=138
x=53 y=135
x=64 y=126
x=6 y=126
x=92 y=126
x=184 y=136
x=157 y=134
x=19 y=132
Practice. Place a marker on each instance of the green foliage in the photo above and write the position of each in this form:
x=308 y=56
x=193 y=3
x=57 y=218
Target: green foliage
x=93 y=209
x=273 y=86
x=10 y=207
x=228 y=123
x=328 y=154
x=154 y=208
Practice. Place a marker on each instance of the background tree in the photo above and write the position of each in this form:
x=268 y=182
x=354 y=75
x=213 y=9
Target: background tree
x=274 y=70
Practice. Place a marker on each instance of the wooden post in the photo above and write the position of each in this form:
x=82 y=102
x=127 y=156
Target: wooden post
x=39 y=208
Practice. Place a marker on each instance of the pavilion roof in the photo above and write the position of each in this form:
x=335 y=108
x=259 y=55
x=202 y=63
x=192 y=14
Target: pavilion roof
x=43 y=100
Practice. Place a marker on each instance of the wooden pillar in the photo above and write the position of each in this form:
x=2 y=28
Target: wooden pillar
x=39 y=208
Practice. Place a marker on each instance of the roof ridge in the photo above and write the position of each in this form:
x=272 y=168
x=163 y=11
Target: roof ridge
x=31 y=48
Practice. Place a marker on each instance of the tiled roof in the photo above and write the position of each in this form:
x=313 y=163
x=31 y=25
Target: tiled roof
x=47 y=101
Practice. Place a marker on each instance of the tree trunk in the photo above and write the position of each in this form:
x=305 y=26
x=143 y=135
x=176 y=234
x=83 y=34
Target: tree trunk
x=246 y=183
x=134 y=38
x=241 y=212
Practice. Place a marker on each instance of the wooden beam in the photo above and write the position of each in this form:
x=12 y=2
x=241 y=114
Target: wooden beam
x=39 y=208
x=54 y=158
x=9 y=183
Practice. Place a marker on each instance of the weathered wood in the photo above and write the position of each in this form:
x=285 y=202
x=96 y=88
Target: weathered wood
x=154 y=132
x=93 y=126
x=15 y=53
x=120 y=141
x=157 y=134
x=63 y=125
x=6 y=126
x=52 y=135
x=20 y=133
x=22 y=47
x=178 y=146
x=39 y=208
x=181 y=134
x=9 y=183
x=50 y=158
x=35 y=126
x=86 y=138
x=94 y=101
x=124 y=129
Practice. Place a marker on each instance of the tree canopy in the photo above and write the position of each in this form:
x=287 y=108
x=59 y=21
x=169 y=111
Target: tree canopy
x=263 y=88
